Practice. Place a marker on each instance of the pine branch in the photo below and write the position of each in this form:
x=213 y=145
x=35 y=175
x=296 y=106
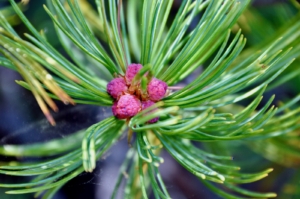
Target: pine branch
x=205 y=110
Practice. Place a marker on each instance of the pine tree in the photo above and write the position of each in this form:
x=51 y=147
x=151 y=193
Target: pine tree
x=195 y=123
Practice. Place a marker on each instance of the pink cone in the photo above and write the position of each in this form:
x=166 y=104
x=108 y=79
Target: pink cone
x=115 y=112
x=146 y=104
x=126 y=107
x=117 y=87
x=156 y=89
x=131 y=71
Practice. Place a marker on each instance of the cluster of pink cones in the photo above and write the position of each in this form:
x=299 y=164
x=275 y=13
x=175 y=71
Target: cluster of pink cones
x=129 y=97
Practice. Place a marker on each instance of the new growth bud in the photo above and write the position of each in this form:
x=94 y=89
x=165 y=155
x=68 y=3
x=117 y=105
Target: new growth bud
x=127 y=106
x=131 y=98
x=147 y=104
x=117 y=87
x=131 y=71
x=156 y=89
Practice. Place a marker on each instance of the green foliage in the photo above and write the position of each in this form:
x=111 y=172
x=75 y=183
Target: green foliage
x=206 y=111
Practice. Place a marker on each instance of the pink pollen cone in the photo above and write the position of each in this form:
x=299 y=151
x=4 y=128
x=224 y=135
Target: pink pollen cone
x=126 y=107
x=146 y=104
x=131 y=71
x=115 y=112
x=117 y=87
x=156 y=89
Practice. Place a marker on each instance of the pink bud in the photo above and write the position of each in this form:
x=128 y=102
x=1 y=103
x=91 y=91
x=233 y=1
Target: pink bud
x=117 y=87
x=131 y=71
x=156 y=89
x=127 y=106
x=114 y=110
x=146 y=104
